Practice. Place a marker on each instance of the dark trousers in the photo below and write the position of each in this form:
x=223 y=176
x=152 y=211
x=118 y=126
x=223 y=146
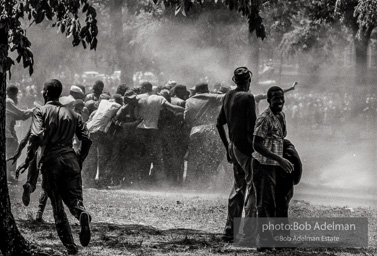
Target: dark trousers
x=265 y=181
x=42 y=202
x=11 y=147
x=151 y=147
x=62 y=183
x=242 y=193
x=174 y=144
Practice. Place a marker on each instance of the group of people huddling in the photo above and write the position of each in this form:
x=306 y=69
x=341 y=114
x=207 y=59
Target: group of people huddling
x=145 y=135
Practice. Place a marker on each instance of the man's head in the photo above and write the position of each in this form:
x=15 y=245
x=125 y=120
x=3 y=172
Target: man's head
x=118 y=98
x=201 y=88
x=79 y=106
x=122 y=89
x=180 y=91
x=52 y=90
x=242 y=77
x=76 y=92
x=82 y=87
x=12 y=92
x=146 y=87
x=98 y=87
x=130 y=97
x=275 y=97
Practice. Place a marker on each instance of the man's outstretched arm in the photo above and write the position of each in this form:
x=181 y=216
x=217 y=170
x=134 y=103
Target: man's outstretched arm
x=20 y=147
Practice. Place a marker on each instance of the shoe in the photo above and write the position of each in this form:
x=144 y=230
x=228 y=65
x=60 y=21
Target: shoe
x=26 y=194
x=227 y=238
x=265 y=249
x=72 y=250
x=85 y=229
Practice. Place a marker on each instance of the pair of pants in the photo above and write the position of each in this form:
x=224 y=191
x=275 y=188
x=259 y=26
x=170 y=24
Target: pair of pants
x=265 y=181
x=99 y=155
x=62 y=183
x=242 y=194
x=11 y=147
x=151 y=145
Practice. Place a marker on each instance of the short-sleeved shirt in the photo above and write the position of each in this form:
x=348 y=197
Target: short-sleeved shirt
x=273 y=132
x=202 y=109
x=238 y=112
x=149 y=107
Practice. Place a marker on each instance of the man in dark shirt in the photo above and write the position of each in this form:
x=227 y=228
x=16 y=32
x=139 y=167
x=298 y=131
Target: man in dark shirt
x=53 y=127
x=238 y=112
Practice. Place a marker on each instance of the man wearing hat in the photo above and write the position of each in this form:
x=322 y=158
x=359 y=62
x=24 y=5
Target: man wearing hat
x=76 y=92
x=238 y=112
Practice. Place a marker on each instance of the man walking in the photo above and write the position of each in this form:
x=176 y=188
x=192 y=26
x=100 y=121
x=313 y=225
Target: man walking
x=53 y=127
x=238 y=112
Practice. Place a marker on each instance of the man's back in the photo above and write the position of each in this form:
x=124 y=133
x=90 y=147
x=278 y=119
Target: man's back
x=238 y=111
x=57 y=125
x=149 y=109
x=202 y=109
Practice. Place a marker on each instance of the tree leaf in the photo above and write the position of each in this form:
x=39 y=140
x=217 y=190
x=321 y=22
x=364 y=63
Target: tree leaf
x=85 y=8
x=93 y=44
x=40 y=17
x=83 y=32
x=83 y=44
x=31 y=70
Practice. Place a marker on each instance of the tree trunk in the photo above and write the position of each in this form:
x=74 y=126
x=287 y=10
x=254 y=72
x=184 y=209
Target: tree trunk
x=254 y=58
x=116 y=18
x=11 y=240
x=361 y=56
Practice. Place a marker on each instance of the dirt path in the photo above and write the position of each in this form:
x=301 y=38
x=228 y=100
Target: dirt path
x=132 y=222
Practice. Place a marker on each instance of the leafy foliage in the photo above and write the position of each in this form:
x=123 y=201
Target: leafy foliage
x=66 y=14
x=249 y=9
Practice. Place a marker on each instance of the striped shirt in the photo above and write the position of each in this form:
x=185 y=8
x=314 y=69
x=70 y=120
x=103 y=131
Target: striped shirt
x=273 y=132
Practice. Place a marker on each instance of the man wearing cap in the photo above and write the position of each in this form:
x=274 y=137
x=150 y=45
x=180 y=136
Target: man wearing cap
x=238 y=112
x=204 y=150
x=149 y=108
x=76 y=92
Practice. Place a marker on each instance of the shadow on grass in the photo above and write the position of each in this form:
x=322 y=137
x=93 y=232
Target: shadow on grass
x=137 y=238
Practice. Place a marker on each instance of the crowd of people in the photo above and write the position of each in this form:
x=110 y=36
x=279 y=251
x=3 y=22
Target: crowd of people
x=330 y=110
x=171 y=134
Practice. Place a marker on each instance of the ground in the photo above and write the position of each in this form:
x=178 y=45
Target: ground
x=178 y=222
